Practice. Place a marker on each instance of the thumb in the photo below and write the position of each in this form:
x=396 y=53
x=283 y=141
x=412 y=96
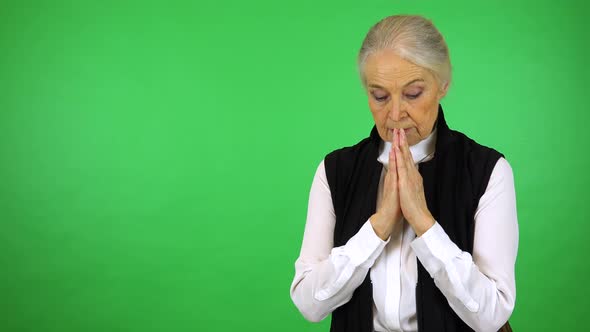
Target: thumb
x=392 y=164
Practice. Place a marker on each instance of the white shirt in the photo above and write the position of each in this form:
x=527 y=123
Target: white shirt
x=480 y=288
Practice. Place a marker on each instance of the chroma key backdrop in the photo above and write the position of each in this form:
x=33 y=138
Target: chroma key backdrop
x=156 y=156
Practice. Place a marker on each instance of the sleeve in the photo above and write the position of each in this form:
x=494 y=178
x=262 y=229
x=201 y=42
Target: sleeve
x=326 y=277
x=481 y=288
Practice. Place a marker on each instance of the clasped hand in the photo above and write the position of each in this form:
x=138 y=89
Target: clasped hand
x=403 y=192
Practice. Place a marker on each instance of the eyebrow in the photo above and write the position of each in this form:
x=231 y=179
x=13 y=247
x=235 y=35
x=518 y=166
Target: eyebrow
x=380 y=87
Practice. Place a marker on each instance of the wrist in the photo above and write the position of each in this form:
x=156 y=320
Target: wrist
x=422 y=224
x=380 y=226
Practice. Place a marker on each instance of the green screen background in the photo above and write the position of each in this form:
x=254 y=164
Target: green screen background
x=156 y=156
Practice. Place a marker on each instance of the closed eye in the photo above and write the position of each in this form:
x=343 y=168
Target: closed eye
x=413 y=96
x=380 y=98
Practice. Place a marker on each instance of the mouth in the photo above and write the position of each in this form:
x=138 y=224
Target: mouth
x=406 y=130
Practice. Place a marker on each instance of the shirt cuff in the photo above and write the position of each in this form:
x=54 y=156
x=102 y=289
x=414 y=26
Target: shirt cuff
x=361 y=250
x=435 y=249
x=364 y=248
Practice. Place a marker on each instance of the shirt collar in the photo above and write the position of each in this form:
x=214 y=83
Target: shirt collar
x=421 y=152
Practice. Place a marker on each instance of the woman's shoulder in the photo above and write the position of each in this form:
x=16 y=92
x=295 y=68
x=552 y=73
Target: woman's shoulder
x=365 y=145
x=342 y=163
x=476 y=151
x=502 y=170
x=486 y=165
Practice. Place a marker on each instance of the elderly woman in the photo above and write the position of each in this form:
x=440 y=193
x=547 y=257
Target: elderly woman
x=414 y=228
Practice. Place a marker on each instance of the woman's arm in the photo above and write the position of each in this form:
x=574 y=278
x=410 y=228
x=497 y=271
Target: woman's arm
x=326 y=277
x=480 y=288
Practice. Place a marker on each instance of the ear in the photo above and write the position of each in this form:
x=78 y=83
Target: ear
x=443 y=91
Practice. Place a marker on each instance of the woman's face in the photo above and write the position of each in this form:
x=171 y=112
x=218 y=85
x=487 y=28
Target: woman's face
x=401 y=95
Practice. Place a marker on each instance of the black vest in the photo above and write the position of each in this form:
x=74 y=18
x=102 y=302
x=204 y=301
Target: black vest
x=454 y=180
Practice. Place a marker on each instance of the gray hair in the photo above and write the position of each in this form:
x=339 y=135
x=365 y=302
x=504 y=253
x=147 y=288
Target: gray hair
x=412 y=37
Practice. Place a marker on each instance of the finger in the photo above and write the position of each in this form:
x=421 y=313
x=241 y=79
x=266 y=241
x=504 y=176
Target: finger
x=396 y=147
x=406 y=150
x=393 y=164
x=400 y=163
x=395 y=132
x=392 y=156
x=392 y=160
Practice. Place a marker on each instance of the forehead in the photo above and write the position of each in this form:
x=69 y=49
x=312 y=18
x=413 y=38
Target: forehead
x=387 y=69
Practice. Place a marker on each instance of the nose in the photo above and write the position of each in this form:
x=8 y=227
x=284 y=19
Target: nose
x=395 y=111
